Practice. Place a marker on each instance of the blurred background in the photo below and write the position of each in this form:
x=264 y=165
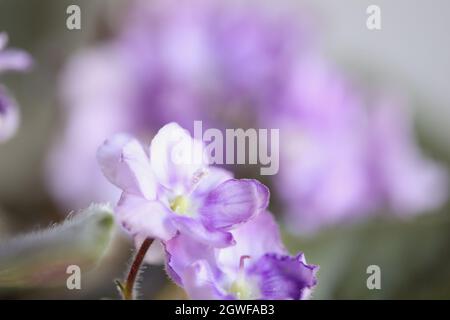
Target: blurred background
x=369 y=185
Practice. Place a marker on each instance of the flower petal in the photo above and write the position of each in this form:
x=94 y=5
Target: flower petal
x=283 y=277
x=196 y=230
x=200 y=283
x=213 y=178
x=182 y=251
x=254 y=239
x=176 y=157
x=234 y=202
x=126 y=165
x=12 y=59
x=144 y=219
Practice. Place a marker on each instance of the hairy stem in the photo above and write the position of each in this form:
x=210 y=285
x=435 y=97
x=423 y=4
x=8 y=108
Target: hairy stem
x=127 y=288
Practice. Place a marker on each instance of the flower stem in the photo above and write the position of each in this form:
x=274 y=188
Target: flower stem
x=127 y=288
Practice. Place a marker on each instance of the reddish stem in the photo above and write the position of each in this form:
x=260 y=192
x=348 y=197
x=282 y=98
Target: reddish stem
x=127 y=290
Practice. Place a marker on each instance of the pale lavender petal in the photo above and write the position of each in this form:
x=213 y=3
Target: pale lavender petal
x=283 y=277
x=253 y=239
x=182 y=251
x=176 y=157
x=214 y=176
x=195 y=229
x=234 y=202
x=14 y=60
x=201 y=284
x=144 y=219
x=126 y=165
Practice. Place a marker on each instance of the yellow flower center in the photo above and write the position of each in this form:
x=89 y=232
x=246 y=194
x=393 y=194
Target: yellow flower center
x=243 y=289
x=180 y=205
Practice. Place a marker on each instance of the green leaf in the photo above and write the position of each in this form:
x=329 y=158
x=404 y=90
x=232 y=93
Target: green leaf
x=40 y=259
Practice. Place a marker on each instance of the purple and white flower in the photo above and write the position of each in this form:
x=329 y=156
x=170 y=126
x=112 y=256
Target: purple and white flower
x=237 y=66
x=221 y=63
x=162 y=195
x=256 y=267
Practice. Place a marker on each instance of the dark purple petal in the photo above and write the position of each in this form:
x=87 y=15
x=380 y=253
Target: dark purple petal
x=234 y=202
x=283 y=277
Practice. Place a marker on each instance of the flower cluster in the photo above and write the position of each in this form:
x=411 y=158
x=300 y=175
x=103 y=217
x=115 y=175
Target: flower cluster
x=342 y=156
x=10 y=60
x=171 y=61
x=220 y=241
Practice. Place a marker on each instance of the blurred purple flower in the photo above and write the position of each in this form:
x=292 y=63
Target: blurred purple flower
x=10 y=60
x=235 y=66
x=342 y=160
x=95 y=108
x=323 y=153
x=256 y=267
x=168 y=191
x=404 y=179
x=171 y=61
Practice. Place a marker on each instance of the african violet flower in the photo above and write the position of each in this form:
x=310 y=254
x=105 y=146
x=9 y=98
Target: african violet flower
x=168 y=191
x=10 y=60
x=256 y=267
x=170 y=61
x=239 y=66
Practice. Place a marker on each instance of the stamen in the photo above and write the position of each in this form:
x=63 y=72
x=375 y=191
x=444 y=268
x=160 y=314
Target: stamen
x=181 y=204
x=242 y=287
x=242 y=262
x=198 y=176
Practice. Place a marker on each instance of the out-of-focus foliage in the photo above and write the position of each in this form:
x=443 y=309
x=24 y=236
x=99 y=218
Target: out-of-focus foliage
x=41 y=259
x=413 y=258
